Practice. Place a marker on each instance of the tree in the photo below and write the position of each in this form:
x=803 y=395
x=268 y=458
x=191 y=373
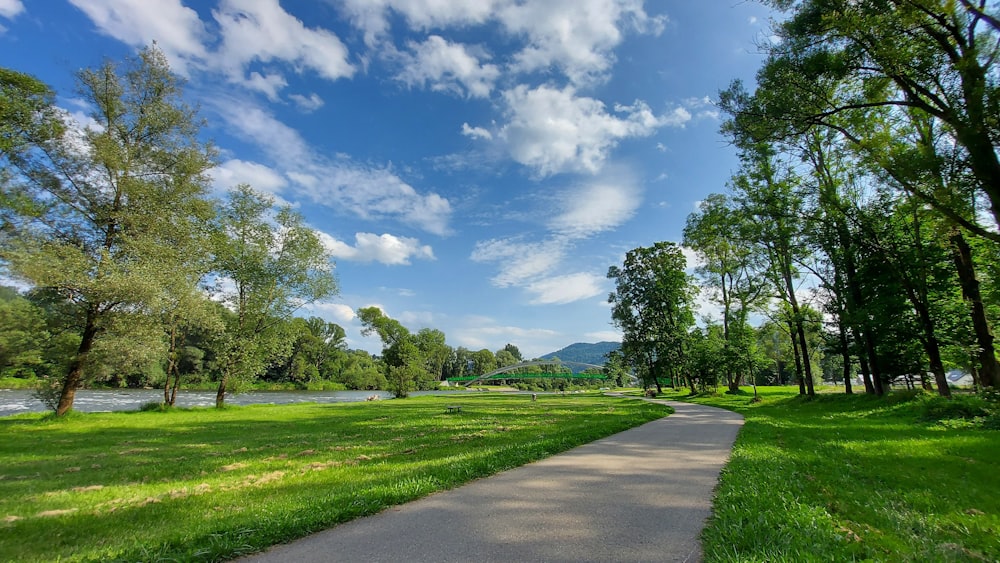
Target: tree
x=514 y=352
x=729 y=266
x=652 y=304
x=97 y=214
x=269 y=265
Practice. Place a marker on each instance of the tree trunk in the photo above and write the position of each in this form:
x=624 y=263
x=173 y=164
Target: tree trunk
x=845 y=354
x=798 y=360
x=989 y=373
x=75 y=373
x=220 y=395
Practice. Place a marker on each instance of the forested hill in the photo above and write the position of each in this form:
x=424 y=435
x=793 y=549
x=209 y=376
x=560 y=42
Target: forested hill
x=583 y=352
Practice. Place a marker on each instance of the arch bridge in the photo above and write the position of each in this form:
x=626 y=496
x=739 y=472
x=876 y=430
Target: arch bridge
x=504 y=372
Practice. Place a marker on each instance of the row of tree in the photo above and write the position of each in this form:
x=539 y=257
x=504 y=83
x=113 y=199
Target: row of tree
x=137 y=276
x=865 y=211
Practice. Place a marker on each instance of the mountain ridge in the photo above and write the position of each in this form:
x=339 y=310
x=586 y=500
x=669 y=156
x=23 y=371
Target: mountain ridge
x=584 y=352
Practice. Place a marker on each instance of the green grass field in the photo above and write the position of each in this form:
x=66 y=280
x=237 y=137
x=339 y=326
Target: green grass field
x=203 y=484
x=851 y=478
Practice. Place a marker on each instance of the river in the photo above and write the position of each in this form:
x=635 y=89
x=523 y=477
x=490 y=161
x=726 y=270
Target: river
x=15 y=401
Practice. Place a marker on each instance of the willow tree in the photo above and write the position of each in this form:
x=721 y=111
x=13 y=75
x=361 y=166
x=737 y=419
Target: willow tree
x=96 y=214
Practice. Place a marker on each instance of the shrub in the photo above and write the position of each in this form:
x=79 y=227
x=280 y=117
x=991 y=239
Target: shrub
x=967 y=407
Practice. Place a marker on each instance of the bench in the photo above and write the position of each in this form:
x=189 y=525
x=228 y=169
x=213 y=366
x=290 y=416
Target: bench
x=453 y=408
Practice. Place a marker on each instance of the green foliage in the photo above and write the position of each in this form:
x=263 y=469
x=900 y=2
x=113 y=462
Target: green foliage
x=652 y=304
x=276 y=264
x=852 y=478
x=962 y=406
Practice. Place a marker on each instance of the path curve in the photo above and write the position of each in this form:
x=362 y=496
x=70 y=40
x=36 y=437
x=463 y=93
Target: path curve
x=640 y=495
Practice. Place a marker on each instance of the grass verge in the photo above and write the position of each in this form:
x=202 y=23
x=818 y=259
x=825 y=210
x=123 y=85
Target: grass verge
x=845 y=478
x=202 y=484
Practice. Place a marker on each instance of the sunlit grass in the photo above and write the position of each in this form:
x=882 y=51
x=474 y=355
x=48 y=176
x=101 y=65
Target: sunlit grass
x=843 y=478
x=208 y=485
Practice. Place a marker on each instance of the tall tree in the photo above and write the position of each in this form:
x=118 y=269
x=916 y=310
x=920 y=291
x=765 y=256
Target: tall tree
x=652 y=304
x=729 y=267
x=269 y=265
x=96 y=214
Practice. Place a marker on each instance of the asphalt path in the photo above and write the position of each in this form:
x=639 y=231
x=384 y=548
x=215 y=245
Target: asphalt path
x=639 y=495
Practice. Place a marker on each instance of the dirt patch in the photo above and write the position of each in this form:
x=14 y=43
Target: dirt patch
x=233 y=466
x=62 y=512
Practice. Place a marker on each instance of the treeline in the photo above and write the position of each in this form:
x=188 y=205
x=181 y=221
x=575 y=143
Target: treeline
x=863 y=220
x=137 y=277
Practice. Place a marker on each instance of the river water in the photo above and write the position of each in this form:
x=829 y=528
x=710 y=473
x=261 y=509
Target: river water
x=15 y=401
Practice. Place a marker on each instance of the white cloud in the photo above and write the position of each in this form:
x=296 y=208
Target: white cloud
x=262 y=31
x=575 y=36
x=252 y=32
x=605 y=336
x=235 y=171
x=339 y=182
x=307 y=104
x=566 y=288
x=552 y=130
x=176 y=28
x=372 y=16
x=519 y=262
x=447 y=67
x=10 y=8
x=269 y=85
x=339 y=312
x=478 y=332
x=385 y=248
x=598 y=205
x=417 y=318
x=476 y=132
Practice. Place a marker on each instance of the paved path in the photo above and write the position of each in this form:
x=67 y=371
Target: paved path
x=640 y=495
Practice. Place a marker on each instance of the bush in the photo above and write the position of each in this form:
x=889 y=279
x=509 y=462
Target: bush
x=942 y=408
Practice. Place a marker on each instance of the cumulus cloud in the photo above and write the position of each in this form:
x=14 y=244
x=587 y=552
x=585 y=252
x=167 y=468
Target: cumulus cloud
x=339 y=312
x=476 y=132
x=542 y=29
x=177 y=29
x=554 y=130
x=250 y=32
x=444 y=66
x=10 y=8
x=585 y=54
x=369 y=247
x=262 y=31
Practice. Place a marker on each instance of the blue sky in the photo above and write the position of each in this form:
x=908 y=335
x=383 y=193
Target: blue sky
x=474 y=166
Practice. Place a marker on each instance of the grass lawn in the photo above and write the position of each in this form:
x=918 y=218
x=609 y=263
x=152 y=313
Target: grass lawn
x=202 y=484
x=844 y=478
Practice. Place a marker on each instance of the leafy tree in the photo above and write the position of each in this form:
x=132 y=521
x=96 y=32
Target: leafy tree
x=483 y=362
x=730 y=269
x=652 y=305
x=269 y=265
x=514 y=352
x=97 y=214
x=405 y=362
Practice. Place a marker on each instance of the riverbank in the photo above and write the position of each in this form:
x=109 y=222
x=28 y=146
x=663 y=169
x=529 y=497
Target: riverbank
x=211 y=484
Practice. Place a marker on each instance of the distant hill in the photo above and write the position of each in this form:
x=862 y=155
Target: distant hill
x=583 y=352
